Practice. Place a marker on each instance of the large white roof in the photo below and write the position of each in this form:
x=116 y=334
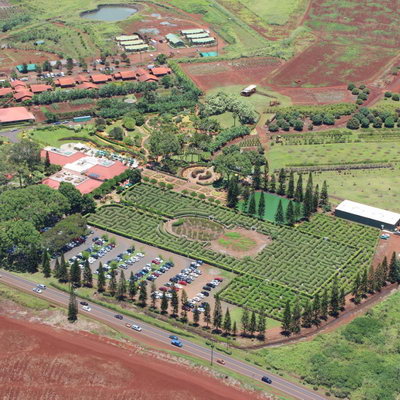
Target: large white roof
x=362 y=210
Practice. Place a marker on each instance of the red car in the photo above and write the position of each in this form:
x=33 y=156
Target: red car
x=218 y=278
x=157 y=274
x=182 y=283
x=163 y=289
x=156 y=262
x=176 y=289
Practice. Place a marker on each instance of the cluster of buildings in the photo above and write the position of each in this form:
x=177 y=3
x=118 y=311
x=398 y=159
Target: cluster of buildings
x=192 y=37
x=132 y=43
x=80 y=167
x=21 y=91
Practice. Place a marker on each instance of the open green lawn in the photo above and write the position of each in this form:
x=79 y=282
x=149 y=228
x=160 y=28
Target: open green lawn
x=236 y=241
x=271 y=204
x=375 y=187
x=333 y=154
x=56 y=136
x=226 y=119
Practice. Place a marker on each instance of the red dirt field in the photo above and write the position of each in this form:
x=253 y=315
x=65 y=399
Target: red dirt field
x=9 y=58
x=40 y=362
x=224 y=73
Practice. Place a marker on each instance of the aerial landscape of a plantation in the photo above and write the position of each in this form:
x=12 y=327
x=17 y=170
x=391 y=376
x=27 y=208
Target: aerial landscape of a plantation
x=198 y=199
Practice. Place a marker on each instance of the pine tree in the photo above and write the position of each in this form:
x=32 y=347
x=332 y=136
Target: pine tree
x=290 y=188
x=308 y=199
x=153 y=296
x=272 y=184
x=112 y=285
x=307 y=315
x=257 y=177
x=164 y=303
x=63 y=274
x=184 y=300
x=207 y=314
x=217 y=317
x=252 y=205
x=101 y=279
x=316 y=198
x=245 y=321
x=290 y=218
x=196 y=316
x=364 y=283
x=279 y=217
x=385 y=271
x=261 y=206
x=56 y=271
x=323 y=199
x=394 y=270
x=143 y=293
x=253 y=324
x=334 y=300
x=298 y=211
x=234 y=329
x=371 y=279
x=75 y=274
x=287 y=318
x=262 y=324
x=281 y=181
x=324 y=305
x=227 y=322
x=296 y=318
x=342 y=299
x=46 y=265
x=72 y=307
x=132 y=287
x=298 y=194
x=174 y=303
x=379 y=278
x=87 y=275
x=316 y=308
x=245 y=196
x=266 y=171
x=233 y=192
x=121 y=288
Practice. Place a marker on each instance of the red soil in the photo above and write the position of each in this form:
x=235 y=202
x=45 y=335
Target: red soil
x=9 y=58
x=225 y=73
x=40 y=362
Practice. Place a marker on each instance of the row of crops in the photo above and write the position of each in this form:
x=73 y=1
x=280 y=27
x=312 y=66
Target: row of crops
x=299 y=261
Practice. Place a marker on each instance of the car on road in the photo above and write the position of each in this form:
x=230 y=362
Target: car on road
x=177 y=343
x=266 y=379
x=173 y=337
x=84 y=303
x=136 y=328
x=220 y=361
x=41 y=286
x=128 y=325
x=37 y=290
x=86 y=308
x=118 y=316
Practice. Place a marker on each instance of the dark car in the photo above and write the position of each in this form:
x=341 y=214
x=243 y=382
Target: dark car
x=173 y=337
x=118 y=316
x=206 y=288
x=84 y=303
x=266 y=379
x=205 y=293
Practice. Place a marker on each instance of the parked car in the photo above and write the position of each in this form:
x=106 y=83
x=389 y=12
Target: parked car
x=206 y=288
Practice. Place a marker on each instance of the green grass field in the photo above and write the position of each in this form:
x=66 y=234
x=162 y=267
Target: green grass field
x=236 y=241
x=271 y=204
x=56 y=137
x=226 y=119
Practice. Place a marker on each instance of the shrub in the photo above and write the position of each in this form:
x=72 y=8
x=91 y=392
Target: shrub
x=184 y=191
x=162 y=184
x=202 y=196
x=355 y=91
x=146 y=178
x=178 y=222
x=351 y=86
x=153 y=181
x=193 y=194
x=388 y=94
x=170 y=186
x=396 y=97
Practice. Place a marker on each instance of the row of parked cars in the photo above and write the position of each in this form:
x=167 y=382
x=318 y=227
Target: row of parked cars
x=161 y=270
x=95 y=253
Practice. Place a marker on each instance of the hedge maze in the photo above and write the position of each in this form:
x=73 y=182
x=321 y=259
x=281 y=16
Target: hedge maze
x=299 y=262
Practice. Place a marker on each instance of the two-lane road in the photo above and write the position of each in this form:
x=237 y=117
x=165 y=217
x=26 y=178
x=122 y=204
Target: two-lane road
x=105 y=315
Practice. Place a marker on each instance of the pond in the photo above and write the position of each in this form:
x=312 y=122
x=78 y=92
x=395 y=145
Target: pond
x=109 y=13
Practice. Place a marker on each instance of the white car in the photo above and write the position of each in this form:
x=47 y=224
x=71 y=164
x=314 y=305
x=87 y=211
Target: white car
x=36 y=290
x=200 y=295
x=41 y=286
x=201 y=309
x=86 y=308
x=196 y=299
x=136 y=328
x=168 y=295
x=178 y=285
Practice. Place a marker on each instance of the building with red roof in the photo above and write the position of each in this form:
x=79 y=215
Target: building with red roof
x=100 y=78
x=141 y=71
x=15 y=114
x=86 y=186
x=5 y=91
x=40 y=88
x=102 y=172
x=65 y=81
x=127 y=75
x=60 y=157
x=147 y=78
x=160 y=71
x=87 y=85
x=16 y=83
x=23 y=95
x=82 y=78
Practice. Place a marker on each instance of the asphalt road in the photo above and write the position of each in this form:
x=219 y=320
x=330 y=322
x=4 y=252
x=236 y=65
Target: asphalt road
x=105 y=315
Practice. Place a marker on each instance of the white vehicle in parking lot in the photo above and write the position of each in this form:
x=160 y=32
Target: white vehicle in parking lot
x=196 y=299
x=168 y=295
x=200 y=295
x=136 y=328
x=91 y=260
x=86 y=308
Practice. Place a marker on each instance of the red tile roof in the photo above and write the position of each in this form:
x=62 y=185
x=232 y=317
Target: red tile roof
x=23 y=95
x=20 y=89
x=40 y=88
x=65 y=81
x=87 y=85
x=59 y=159
x=100 y=78
x=128 y=74
x=5 y=91
x=160 y=71
x=82 y=78
x=102 y=173
x=117 y=75
x=15 y=114
x=147 y=78
x=141 y=71
x=14 y=84
x=85 y=187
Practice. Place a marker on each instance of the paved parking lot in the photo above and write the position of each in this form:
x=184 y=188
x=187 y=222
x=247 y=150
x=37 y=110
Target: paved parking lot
x=150 y=253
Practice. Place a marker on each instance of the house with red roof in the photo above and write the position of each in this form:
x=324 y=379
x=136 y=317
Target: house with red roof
x=147 y=78
x=100 y=78
x=65 y=81
x=160 y=71
x=127 y=75
x=141 y=71
x=17 y=83
x=82 y=78
x=23 y=95
x=15 y=114
x=40 y=88
x=60 y=157
x=5 y=91
x=87 y=85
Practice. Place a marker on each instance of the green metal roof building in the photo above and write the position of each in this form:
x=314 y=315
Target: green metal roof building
x=191 y=31
x=138 y=47
x=197 y=35
x=174 y=40
x=29 y=68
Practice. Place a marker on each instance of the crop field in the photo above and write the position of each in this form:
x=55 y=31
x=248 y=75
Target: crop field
x=297 y=261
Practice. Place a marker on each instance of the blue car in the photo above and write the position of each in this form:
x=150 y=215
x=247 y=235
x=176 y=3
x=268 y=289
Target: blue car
x=177 y=343
x=266 y=379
